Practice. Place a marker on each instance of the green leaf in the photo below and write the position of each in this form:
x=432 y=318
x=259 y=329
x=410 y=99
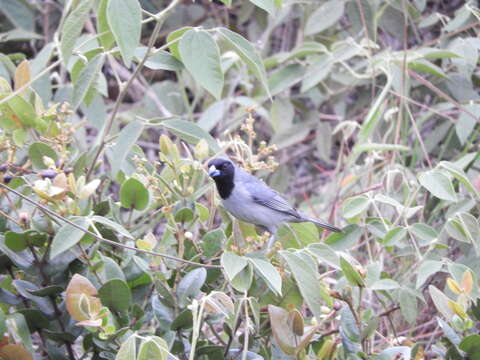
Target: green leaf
x=247 y=52
x=379 y=147
x=297 y=235
x=201 y=56
x=151 y=349
x=37 y=151
x=112 y=224
x=355 y=206
x=191 y=133
x=125 y=141
x=325 y=16
x=395 y=236
x=471 y=345
x=460 y=175
x=116 y=295
x=232 y=264
x=190 y=285
x=325 y=253
x=243 y=280
x=19 y=137
x=385 y=284
x=172 y=40
x=106 y=40
x=351 y=274
x=125 y=20
x=72 y=27
x=133 y=194
x=424 y=233
x=212 y=242
x=15 y=241
x=86 y=79
x=438 y=184
x=267 y=5
x=427 y=67
x=24 y=111
x=128 y=350
x=268 y=273
x=306 y=278
x=441 y=302
x=68 y=236
x=285 y=78
x=428 y=268
x=317 y=72
x=161 y=60
x=464 y=227
x=408 y=305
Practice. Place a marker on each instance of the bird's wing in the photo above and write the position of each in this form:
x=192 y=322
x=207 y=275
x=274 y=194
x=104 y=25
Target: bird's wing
x=264 y=195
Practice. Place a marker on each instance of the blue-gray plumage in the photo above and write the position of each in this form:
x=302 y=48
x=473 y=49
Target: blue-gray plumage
x=252 y=201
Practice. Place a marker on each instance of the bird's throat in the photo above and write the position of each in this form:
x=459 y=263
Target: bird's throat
x=225 y=186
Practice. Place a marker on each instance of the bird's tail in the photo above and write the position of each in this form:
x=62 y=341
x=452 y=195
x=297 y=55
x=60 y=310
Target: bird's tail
x=320 y=223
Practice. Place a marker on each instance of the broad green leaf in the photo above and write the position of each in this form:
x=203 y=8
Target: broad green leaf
x=243 y=280
x=160 y=60
x=72 y=27
x=86 y=79
x=106 y=40
x=424 y=233
x=268 y=273
x=133 y=194
x=24 y=111
x=285 y=78
x=326 y=254
x=441 y=302
x=68 y=236
x=191 y=133
x=267 y=5
x=112 y=224
x=428 y=268
x=19 y=13
x=317 y=72
x=395 y=236
x=174 y=38
x=464 y=227
x=324 y=16
x=355 y=206
x=151 y=349
x=116 y=295
x=438 y=184
x=232 y=264
x=352 y=275
x=408 y=305
x=15 y=241
x=247 y=53
x=471 y=345
x=200 y=55
x=125 y=141
x=460 y=175
x=37 y=151
x=307 y=281
x=282 y=329
x=16 y=323
x=190 y=285
x=128 y=350
x=297 y=235
x=385 y=284
x=212 y=242
x=125 y=20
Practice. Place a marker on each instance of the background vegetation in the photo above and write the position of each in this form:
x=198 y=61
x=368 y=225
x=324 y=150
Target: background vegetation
x=112 y=241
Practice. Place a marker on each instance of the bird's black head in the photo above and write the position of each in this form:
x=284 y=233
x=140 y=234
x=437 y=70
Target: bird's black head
x=222 y=171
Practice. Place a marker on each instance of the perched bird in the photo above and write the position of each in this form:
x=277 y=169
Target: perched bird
x=251 y=200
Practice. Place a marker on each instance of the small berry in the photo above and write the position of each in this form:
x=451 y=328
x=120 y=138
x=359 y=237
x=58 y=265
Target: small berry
x=3 y=168
x=7 y=178
x=48 y=174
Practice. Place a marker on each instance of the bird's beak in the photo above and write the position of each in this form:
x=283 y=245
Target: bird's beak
x=213 y=171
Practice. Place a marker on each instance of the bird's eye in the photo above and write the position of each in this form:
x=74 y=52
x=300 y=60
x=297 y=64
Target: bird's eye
x=225 y=166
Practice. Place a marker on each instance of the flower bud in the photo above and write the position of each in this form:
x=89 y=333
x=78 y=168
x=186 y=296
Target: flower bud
x=201 y=149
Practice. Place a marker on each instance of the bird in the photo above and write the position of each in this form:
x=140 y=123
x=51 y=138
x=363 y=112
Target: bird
x=251 y=200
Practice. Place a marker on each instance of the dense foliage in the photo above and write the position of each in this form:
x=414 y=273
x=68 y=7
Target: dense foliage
x=113 y=243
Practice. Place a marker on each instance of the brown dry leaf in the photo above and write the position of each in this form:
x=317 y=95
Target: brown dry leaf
x=467 y=281
x=22 y=74
x=81 y=299
x=15 y=352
